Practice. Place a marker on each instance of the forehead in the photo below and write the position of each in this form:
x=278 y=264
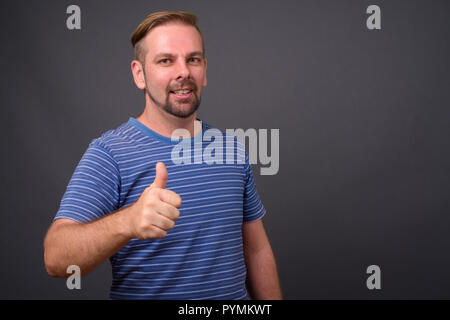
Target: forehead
x=176 y=38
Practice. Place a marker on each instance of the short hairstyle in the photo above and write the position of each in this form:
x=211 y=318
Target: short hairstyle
x=156 y=19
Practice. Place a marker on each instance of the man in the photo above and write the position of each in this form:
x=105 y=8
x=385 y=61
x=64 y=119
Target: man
x=126 y=193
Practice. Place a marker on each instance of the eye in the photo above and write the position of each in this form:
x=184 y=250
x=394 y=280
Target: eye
x=195 y=60
x=164 y=61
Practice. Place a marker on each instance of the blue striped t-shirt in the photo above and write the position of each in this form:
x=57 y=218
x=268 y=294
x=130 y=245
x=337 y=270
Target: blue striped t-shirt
x=202 y=257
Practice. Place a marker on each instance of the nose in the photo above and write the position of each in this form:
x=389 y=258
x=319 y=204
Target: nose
x=182 y=71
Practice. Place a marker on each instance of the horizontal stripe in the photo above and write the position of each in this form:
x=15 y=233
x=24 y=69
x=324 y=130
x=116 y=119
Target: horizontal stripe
x=177 y=263
x=206 y=243
x=184 y=284
x=175 y=293
x=188 y=277
x=187 y=247
x=236 y=261
x=131 y=246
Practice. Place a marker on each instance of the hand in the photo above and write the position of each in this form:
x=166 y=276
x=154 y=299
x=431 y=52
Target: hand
x=156 y=210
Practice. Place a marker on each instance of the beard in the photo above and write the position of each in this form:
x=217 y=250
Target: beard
x=180 y=108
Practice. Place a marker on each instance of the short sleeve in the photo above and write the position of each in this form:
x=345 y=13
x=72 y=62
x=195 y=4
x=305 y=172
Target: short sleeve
x=94 y=189
x=253 y=207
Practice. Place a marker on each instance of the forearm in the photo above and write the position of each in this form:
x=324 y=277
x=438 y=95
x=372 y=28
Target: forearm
x=262 y=275
x=85 y=245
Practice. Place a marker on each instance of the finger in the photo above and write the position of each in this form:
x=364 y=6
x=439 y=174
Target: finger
x=168 y=211
x=154 y=233
x=170 y=197
x=160 y=177
x=163 y=222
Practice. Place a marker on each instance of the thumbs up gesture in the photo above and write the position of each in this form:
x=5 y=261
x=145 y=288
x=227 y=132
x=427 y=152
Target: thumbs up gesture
x=156 y=210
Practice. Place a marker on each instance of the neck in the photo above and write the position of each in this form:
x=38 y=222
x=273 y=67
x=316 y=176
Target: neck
x=164 y=123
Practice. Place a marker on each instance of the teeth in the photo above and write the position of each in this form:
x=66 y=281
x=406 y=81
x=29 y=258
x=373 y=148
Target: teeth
x=182 y=91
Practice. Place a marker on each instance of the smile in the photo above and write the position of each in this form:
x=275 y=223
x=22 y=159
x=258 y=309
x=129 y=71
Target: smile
x=182 y=94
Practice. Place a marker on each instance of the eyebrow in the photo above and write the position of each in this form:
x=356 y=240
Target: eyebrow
x=169 y=55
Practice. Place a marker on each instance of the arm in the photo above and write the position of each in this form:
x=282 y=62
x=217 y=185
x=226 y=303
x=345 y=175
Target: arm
x=87 y=245
x=262 y=276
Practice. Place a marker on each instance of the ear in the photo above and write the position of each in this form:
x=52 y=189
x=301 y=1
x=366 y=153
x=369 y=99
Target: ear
x=205 y=81
x=137 y=69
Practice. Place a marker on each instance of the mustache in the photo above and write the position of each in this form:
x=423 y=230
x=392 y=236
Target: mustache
x=185 y=84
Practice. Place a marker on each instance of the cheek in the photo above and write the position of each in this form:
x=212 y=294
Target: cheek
x=157 y=81
x=199 y=78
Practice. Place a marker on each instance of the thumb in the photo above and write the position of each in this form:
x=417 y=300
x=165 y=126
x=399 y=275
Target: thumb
x=161 y=176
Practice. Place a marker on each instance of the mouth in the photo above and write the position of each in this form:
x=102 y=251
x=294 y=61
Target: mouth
x=182 y=93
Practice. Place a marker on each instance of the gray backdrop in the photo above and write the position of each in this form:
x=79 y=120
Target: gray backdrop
x=364 y=132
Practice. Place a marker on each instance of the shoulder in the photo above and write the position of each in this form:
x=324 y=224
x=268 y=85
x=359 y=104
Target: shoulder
x=112 y=140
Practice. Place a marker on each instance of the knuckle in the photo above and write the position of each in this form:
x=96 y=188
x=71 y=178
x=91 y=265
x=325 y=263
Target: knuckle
x=147 y=216
x=144 y=226
x=161 y=234
x=179 y=201
x=153 y=191
x=151 y=202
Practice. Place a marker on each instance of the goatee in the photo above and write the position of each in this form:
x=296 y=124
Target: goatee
x=180 y=108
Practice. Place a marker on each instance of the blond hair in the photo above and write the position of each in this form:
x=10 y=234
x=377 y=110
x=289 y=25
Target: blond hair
x=156 y=19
